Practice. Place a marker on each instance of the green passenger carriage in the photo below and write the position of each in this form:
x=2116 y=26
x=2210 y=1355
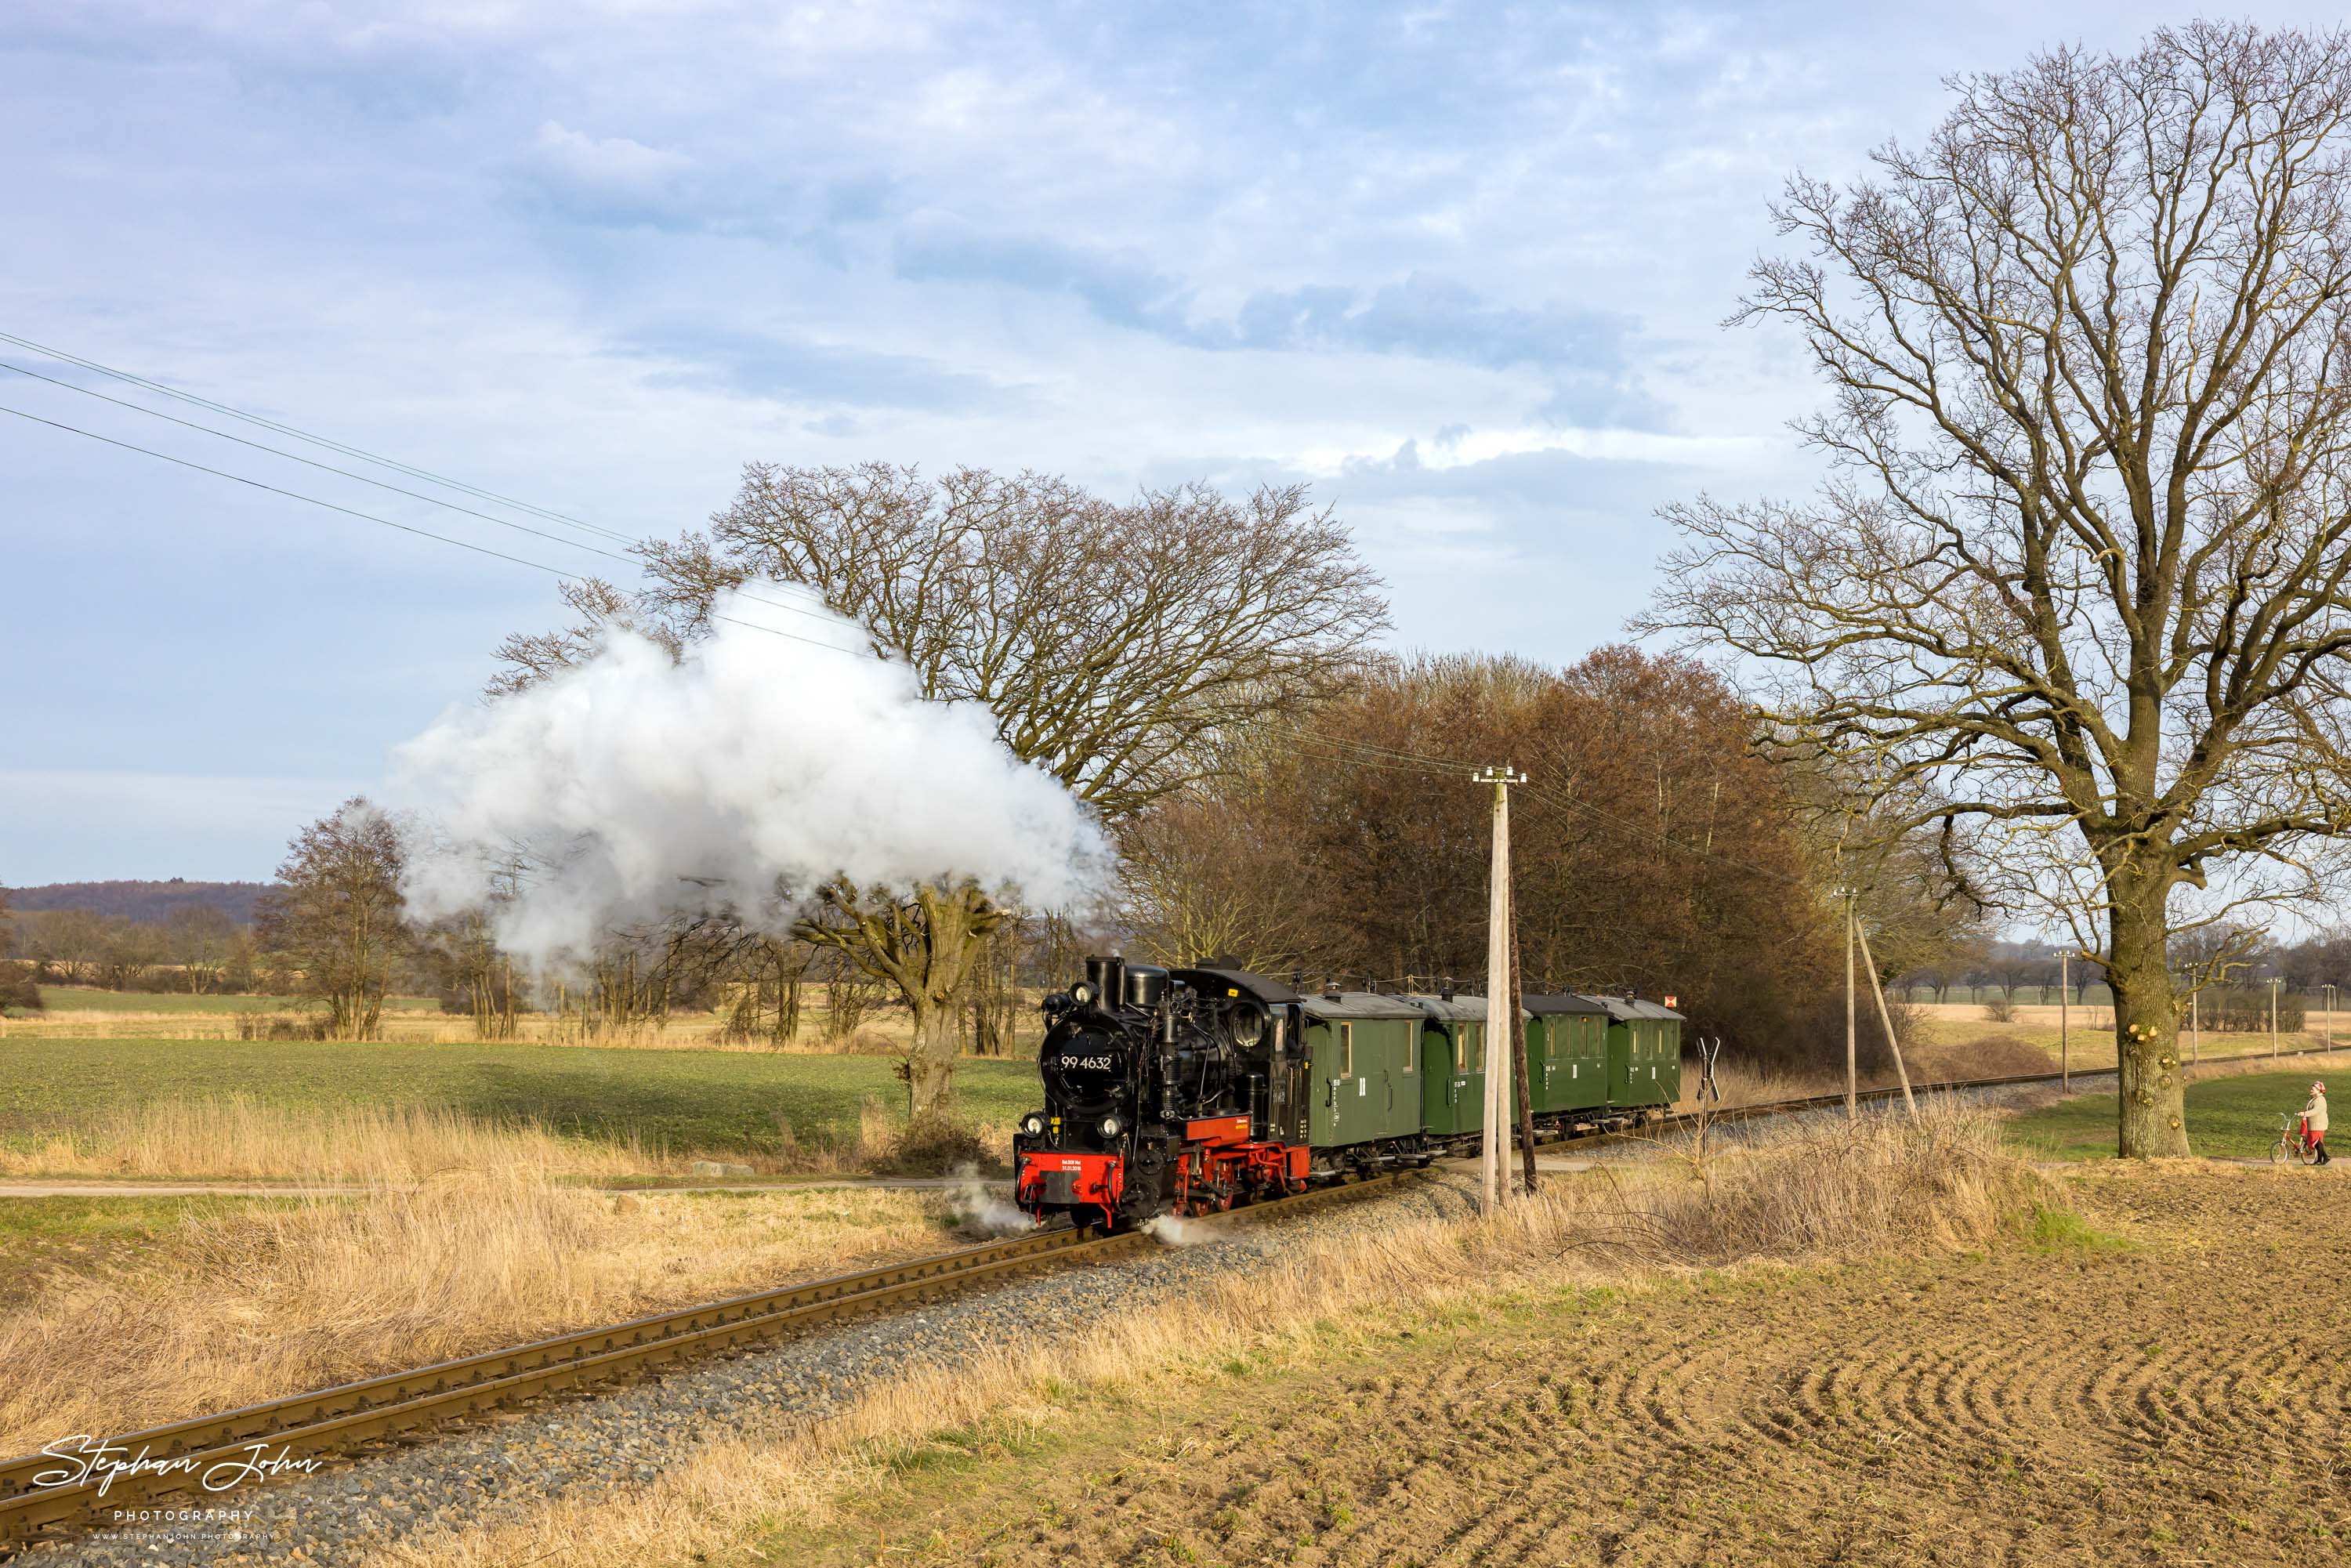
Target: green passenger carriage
x=1645 y=1053
x=1364 y=1074
x=1453 y=1047
x=1567 y=1056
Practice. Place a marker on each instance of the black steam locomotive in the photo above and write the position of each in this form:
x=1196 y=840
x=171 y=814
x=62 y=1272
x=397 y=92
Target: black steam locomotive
x=1186 y=1091
x=1165 y=1089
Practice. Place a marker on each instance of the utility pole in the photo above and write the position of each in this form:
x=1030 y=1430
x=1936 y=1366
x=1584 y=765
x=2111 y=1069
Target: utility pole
x=1494 y=1167
x=2064 y=1019
x=2329 y=1025
x=1852 y=1098
x=2273 y=984
x=2196 y=1024
x=1885 y=1018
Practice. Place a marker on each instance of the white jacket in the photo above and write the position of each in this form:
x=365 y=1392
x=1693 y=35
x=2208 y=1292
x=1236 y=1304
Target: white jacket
x=2315 y=1113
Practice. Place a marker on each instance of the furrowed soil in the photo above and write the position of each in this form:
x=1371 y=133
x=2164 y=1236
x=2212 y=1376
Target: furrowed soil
x=2164 y=1383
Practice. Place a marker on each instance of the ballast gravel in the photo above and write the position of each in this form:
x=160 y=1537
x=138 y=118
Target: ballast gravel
x=597 y=1439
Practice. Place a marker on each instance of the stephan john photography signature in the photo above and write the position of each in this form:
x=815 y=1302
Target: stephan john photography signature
x=86 y=1457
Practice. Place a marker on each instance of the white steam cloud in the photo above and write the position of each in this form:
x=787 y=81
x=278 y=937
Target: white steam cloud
x=638 y=786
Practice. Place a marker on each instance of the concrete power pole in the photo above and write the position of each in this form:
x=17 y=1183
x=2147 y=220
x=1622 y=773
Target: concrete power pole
x=1494 y=1166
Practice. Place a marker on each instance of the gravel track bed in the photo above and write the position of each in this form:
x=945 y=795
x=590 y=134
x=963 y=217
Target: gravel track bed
x=595 y=1438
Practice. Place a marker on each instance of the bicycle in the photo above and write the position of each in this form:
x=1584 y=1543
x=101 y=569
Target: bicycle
x=2293 y=1141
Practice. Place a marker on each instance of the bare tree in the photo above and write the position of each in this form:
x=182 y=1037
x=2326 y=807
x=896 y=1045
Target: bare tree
x=2081 y=564
x=1113 y=643
x=531 y=656
x=334 y=919
x=197 y=942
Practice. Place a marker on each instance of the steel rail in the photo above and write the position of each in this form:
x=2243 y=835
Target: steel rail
x=1676 y=1119
x=333 y=1421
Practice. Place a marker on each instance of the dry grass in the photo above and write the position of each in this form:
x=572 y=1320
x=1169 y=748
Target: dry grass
x=240 y=1138
x=319 y=1289
x=1890 y=1187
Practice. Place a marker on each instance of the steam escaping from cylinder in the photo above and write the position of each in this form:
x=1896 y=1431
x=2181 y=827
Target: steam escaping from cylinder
x=631 y=788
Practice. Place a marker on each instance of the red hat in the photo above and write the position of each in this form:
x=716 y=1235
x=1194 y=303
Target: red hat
x=2318 y=1088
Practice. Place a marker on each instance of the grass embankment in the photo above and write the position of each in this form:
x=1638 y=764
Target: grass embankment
x=122 y=1313
x=2234 y=1117
x=1601 y=1260
x=90 y=1105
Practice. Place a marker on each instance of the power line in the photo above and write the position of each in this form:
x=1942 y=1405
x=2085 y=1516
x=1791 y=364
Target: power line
x=387 y=522
x=299 y=435
x=385 y=484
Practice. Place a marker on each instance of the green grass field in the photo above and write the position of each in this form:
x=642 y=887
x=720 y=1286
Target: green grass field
x=676 y=1100
x=2228 y=1118
x=87 y=999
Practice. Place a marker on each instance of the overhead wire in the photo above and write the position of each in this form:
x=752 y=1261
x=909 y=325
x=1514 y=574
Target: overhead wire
x=389 y=523
x=387 y=484
x=299 y=435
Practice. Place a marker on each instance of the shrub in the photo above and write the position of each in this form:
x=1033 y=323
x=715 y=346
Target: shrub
x=18 y=989
x=2001 y=1009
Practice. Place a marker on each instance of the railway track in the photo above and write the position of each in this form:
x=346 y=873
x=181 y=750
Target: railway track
x=214 y=1455
x=1684 y=1119
x=42 y=1497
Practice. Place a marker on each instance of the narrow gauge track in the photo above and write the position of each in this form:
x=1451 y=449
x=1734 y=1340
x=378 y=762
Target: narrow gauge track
x=1674 y=1119
x=337 y=1421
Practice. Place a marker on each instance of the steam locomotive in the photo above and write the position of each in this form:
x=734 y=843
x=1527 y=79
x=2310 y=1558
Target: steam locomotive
x=1187 y=1090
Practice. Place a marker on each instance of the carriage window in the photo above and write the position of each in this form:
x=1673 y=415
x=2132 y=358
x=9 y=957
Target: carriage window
x=1461 y=1048
x=1410 y=1050
x=1346 y=1050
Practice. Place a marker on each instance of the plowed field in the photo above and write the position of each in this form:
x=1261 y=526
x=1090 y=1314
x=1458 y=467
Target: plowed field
x=2181 y=1399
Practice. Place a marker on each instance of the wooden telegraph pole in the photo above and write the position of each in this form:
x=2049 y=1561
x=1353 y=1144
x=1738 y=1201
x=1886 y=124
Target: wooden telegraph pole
x=1494 y=1166
x=2273 y=986
x=2064 y=1001
x=1884 y=1015
x=1519 y=1055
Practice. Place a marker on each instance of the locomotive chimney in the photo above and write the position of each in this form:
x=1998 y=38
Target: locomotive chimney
x=1104 y=976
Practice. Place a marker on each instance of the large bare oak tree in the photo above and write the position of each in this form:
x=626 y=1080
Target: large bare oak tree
x=1113 y=642
x=2078 y=575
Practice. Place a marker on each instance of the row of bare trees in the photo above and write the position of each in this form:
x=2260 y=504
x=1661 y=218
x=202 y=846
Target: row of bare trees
x=199 y=951
x=1653 y=852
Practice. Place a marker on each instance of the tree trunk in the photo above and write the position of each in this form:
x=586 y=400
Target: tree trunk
x=2152 y=1118
x=930 y=1067
x=956 y=923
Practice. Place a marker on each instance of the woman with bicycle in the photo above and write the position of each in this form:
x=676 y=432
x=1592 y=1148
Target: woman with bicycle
x=2314 y=1121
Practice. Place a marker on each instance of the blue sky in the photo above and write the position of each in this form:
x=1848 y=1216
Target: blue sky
x=1463 y=267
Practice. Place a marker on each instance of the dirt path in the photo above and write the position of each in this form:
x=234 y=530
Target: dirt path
x=2180 y=1401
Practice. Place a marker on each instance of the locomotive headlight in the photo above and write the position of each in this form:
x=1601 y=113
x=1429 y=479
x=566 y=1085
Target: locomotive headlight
x=1033 y=1125
x=1110 y=1126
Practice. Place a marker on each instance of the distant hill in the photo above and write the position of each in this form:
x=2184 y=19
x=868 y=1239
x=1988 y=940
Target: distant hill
x=148 y=900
